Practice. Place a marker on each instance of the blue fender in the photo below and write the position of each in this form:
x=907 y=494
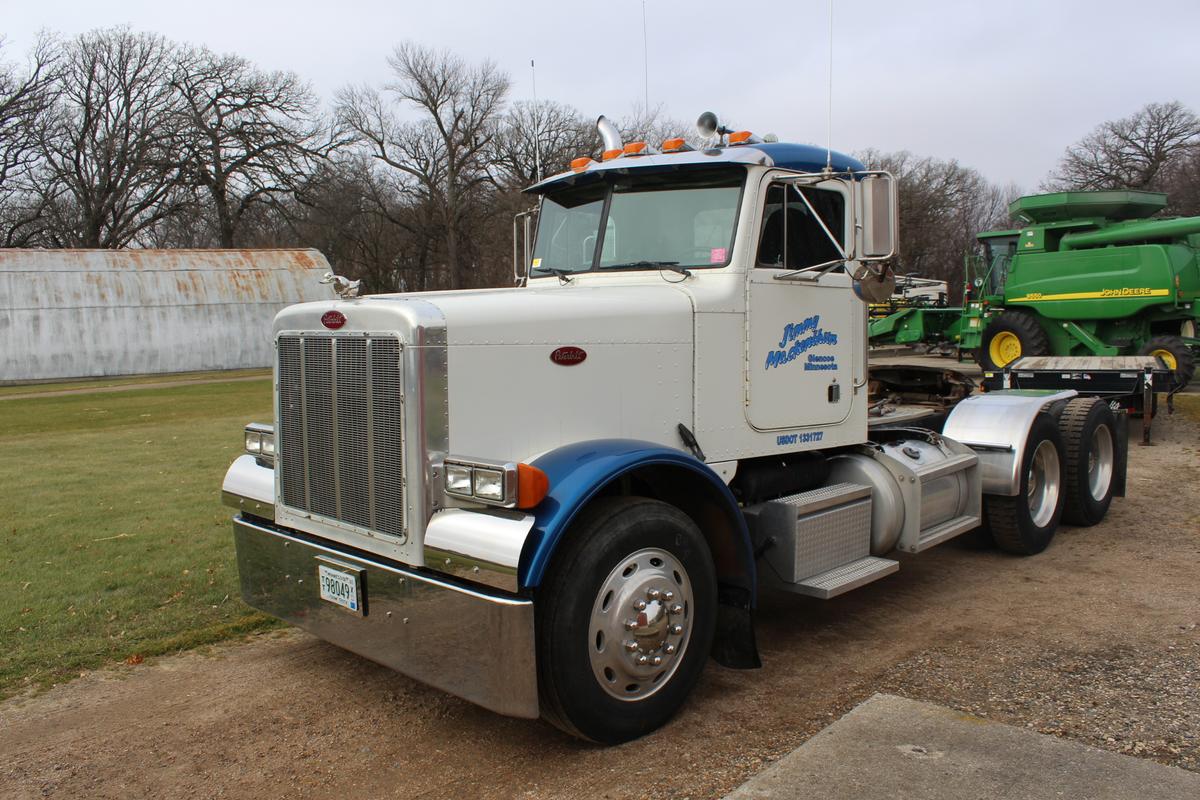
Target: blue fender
x=579 y=471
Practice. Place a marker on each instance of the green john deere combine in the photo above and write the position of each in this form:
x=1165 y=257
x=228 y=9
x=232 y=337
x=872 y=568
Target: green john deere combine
x=1090 y=274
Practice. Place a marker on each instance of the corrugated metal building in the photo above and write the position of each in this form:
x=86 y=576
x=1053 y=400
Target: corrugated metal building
x=76 y=313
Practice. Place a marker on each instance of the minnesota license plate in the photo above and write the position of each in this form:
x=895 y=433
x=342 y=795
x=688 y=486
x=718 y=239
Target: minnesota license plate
x=339 y=587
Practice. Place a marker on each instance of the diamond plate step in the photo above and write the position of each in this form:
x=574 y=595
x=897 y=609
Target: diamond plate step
x=947 y=530
x=824 y=497
x=846 y=577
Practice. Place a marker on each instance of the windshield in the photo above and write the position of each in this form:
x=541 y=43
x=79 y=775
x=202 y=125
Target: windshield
x=997 y=254
x=680 y=220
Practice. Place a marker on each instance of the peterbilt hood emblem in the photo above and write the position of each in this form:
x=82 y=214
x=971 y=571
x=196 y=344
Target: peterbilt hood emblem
x=342 y=287
x=568 y=356
x=333 y=319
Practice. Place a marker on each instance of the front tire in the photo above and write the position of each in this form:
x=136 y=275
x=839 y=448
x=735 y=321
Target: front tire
x=1012 y=335
x=1087 y=428
x=1026 y=523
x=1175 y=354
x=626 y=617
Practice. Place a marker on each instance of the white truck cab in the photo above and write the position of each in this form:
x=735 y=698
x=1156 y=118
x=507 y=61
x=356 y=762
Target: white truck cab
x=560 y=499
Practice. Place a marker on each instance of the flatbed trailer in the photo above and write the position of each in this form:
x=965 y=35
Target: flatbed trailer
x=1125 y=382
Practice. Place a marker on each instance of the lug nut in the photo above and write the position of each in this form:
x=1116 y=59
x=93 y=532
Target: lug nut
x=677 y=609
x=668 y=595
x=656 y=661
x=643 y=660
x=676 y=629
x=653 y=594
x=630 y=624
x=631 y=645
x=669 y=649
x=640 y=605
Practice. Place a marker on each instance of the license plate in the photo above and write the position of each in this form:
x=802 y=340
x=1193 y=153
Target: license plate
x=339 y=588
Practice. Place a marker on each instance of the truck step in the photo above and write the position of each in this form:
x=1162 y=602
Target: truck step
x=947 y=530
x=842 y=579
x=825 y=497
x=812 y=532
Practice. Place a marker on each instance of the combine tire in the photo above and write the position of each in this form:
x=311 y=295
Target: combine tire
x=1010 y=336
x=1175 y=354
x=1088 y=432
x=1026 y=523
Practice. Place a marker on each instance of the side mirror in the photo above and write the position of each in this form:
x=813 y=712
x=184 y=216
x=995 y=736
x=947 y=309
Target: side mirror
x=880 y=214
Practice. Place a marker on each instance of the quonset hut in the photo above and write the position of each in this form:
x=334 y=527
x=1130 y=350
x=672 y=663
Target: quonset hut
x=79 y=313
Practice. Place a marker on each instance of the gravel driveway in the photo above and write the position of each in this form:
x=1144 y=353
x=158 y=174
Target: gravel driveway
x=1096 y=640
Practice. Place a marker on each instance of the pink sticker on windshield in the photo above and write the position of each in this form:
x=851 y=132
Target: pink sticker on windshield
x=717 y=255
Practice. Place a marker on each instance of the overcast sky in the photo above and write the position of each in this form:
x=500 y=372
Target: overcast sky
x=1001 y=86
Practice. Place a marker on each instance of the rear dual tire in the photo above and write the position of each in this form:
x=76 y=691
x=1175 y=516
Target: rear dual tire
x=1089 y=434
x=1025 y=523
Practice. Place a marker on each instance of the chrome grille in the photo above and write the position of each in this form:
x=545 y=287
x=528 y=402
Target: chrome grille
x=339 y=443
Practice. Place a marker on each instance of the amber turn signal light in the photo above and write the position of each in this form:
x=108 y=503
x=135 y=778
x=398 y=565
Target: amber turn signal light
x=532 y=486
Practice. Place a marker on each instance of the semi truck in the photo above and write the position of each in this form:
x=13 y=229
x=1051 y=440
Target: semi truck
x=561 y=499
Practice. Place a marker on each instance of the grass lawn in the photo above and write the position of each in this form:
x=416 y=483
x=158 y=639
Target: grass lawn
x=113 y=542
x=126 y=380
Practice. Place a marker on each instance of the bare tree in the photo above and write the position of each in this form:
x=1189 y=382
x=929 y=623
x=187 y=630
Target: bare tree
x=1181 y=181
x=444 y=153
x=112 y=152
x=1135 y=152
x=25 y=100
x=653 y=126
x=369 y=225
x=249 y=136
x=943 y=207
x=545 y=134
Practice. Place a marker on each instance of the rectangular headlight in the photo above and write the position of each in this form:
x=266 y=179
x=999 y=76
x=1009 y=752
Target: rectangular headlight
x=458 y=479
x=489 y=484
x=260 y=441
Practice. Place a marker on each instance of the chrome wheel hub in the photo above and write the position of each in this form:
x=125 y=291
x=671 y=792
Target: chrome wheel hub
x=1100 y=462
x=640 y=624
x=1043 y=484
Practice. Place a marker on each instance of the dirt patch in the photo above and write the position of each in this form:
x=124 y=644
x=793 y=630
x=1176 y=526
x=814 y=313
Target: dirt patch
x=1096 y=639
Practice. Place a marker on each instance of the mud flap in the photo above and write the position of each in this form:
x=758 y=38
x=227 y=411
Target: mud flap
x=1121 y=435
x=734 y=645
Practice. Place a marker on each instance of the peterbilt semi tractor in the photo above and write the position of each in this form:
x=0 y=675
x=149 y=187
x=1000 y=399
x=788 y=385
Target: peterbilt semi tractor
x=561 y=499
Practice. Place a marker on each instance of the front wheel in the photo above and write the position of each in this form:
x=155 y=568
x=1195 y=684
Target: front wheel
x=1173 y=352
x=625 y=620
x=1012 y=335
x=1026 y=523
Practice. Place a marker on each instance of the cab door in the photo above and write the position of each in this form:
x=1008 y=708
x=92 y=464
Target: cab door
x=803 y=337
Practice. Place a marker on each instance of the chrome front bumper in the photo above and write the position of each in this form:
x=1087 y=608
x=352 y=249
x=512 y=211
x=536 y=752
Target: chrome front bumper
x=472 y=644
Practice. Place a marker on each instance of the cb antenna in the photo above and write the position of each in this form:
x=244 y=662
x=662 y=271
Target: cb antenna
x=645 y=61
x=829 y=104
x=537 y=130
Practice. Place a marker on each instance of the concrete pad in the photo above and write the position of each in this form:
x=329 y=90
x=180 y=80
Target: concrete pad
x=892 y=748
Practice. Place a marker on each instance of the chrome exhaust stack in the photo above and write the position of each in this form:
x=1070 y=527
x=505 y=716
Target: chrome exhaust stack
x=609 y=134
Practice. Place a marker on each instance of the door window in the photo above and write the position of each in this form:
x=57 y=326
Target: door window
x=791 y=237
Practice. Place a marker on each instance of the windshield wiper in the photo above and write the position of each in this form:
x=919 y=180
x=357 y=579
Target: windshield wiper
x=563 y=275
x=671 y=265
